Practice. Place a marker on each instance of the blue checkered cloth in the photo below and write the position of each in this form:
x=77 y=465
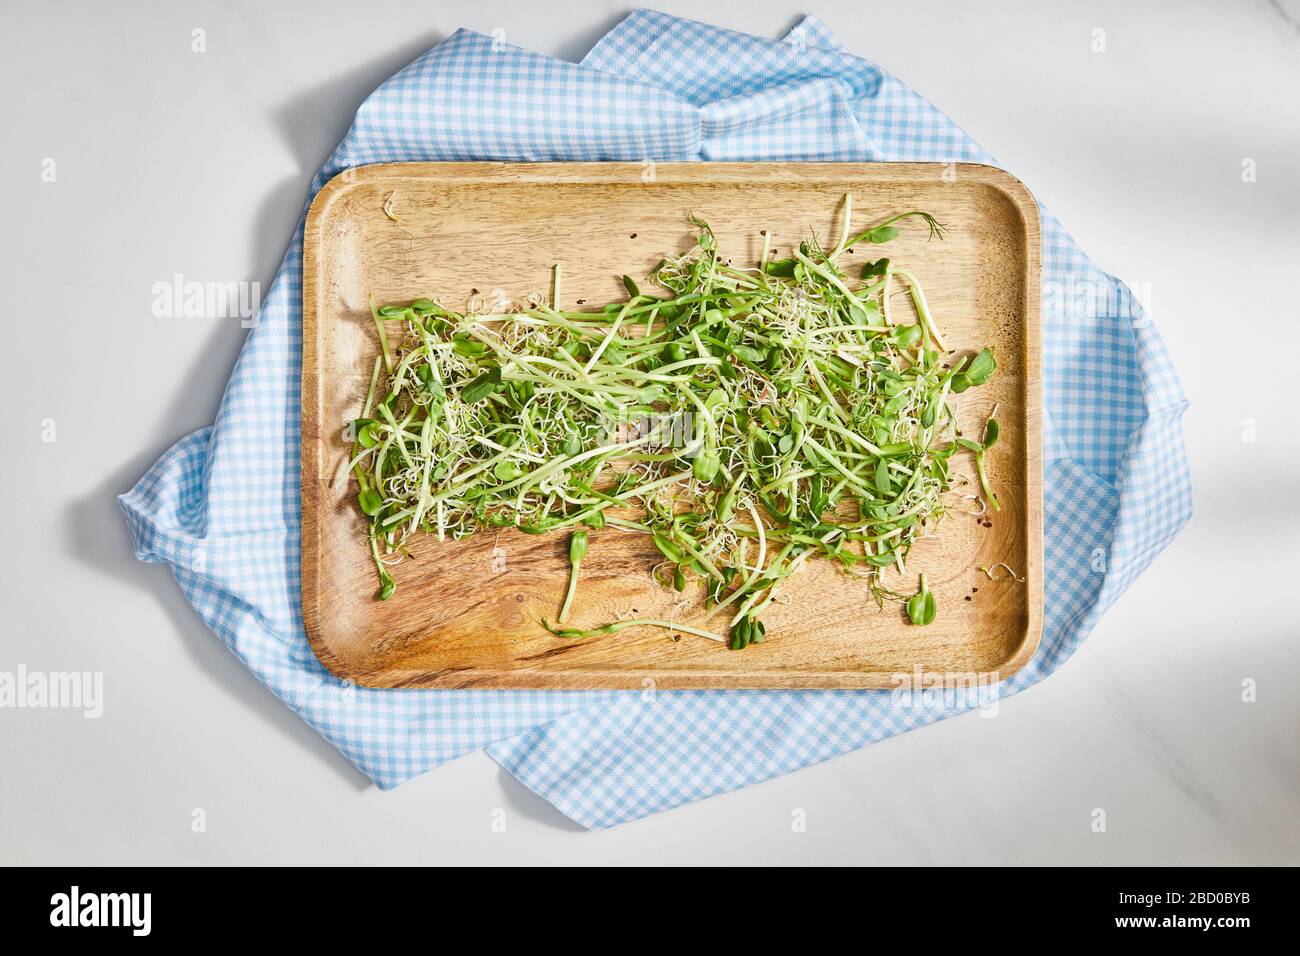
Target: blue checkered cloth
x=222 y=506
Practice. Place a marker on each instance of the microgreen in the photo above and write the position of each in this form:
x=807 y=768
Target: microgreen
x=748 y=630
x=616 y=626
x=577 y=551
x=921 y=606
x=743 y=420
x=977 y=373
x=991 y=432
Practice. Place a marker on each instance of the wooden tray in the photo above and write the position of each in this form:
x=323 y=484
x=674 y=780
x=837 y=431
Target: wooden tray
x=473 y=621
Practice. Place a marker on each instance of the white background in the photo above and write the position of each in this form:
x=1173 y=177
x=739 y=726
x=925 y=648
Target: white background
x=170 y=161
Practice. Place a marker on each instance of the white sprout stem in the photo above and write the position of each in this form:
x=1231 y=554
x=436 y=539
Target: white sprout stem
x=848 y=218
x=923 y=307
x=609 y=337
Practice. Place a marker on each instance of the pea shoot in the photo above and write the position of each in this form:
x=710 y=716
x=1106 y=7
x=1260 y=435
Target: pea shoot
x=921 y=606
x=616 y=626
x=748 y=630
x=991 y=432
x=577 y=551
x=742 y=420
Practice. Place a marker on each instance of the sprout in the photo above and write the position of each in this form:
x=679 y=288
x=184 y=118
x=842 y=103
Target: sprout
x=744 y=420
x=920 y=606
x=577 y=551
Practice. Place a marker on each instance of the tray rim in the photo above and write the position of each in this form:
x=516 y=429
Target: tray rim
x=666 y=173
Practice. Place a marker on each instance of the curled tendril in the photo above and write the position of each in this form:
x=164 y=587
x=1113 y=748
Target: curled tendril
x=990 y=570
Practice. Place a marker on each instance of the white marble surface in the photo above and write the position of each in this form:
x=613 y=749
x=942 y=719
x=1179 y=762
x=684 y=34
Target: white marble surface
x=169 y=161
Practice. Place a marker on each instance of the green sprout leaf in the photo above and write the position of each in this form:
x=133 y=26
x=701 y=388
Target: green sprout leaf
x=482 y=387
x=920 y=606
x=981 y=367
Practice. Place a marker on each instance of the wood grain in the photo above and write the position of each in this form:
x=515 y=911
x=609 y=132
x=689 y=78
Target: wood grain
x=461 y=618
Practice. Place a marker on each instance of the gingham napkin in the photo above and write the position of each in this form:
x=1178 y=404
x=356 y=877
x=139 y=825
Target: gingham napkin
x=222 y=506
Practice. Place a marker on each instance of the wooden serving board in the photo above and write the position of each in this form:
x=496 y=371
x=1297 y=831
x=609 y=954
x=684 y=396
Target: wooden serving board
x=466 y=613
